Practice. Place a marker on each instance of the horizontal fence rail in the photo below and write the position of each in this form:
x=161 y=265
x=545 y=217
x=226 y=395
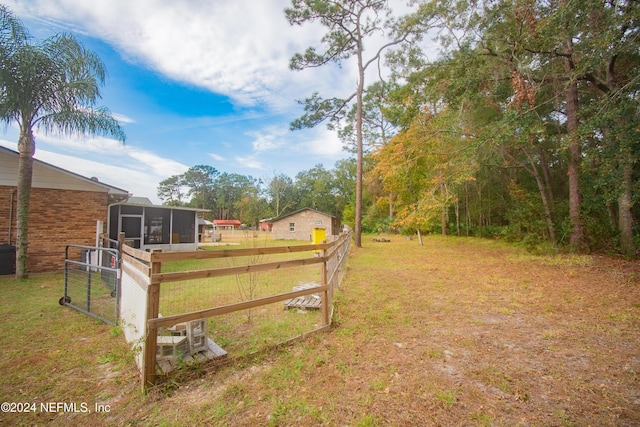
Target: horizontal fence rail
x=240 y=298
x=218 y=272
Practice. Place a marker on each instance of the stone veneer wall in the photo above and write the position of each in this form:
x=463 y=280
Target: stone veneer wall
x=305 y=222
x=56 y=218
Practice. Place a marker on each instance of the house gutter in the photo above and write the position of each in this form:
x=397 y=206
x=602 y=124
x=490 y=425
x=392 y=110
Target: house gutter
x=11 y=193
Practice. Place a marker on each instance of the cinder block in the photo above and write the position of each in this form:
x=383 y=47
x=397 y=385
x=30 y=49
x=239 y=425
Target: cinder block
x=179 y=330
x=171 y=347
x=305 y=286
x=197 y=334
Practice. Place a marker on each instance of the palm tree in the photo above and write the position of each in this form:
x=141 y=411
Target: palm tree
x=51 y=86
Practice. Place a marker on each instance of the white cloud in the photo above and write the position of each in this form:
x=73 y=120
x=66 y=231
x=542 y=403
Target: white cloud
x=122 y=118
x=321 y=142
x=269 y=138
x=237 y=48
x=114 y=152
x=249 y=162
x=96 y=145
x=154 y=164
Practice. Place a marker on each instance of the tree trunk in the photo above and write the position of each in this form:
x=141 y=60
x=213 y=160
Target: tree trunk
x=577 y=239
x=457 y=208
x=545 y=173
x=467 y=213
x=26 y=148
x=625 y=216
x=360 y=155
x=542 y=188
x=547 y=209
x=443 y=212
x=480 y=218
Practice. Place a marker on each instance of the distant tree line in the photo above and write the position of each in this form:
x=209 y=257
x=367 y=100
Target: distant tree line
x=248 y=199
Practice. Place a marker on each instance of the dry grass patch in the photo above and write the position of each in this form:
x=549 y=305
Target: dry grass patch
x=455 y=332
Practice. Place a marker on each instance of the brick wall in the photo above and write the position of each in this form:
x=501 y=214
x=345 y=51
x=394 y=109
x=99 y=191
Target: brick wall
x=305 y=221
x=56 y=219
x=5 y=201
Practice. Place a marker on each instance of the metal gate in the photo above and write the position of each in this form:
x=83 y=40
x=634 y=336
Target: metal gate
x=92 y=280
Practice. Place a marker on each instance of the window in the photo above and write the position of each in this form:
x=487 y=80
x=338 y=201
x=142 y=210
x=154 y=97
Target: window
x=132 y=229
x=292 y=226
x=319 y=222
x=157 y=224
x=184 y=227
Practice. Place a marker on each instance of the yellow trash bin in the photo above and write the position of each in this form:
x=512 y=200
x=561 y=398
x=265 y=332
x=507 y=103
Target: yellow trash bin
x=318 y=235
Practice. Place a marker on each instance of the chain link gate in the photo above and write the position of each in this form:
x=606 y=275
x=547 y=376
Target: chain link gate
x=92 y=280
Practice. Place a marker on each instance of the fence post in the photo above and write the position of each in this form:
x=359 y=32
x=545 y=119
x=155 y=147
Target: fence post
x=151 y=337
x=325 y=299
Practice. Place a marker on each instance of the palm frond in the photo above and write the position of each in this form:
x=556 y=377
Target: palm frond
x=12 y=31
x=81 y=121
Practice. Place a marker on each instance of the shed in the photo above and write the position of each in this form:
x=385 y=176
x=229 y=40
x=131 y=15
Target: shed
x=148 y=226
x=266 y=224
x=205 y=229
x=299 y=225
x=226 y=224
x=64 y=208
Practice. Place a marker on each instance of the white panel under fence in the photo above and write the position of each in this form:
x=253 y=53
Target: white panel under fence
x=133 y=304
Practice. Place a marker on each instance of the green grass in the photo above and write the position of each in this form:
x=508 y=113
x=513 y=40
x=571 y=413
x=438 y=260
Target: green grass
x=51 y=350
x=242 y=333
x=446 y=397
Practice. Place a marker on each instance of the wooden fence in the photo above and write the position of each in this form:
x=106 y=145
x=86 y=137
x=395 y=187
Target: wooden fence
x=143 y=278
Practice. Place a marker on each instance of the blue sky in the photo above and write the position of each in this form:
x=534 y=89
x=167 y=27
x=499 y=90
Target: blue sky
x=192 y=82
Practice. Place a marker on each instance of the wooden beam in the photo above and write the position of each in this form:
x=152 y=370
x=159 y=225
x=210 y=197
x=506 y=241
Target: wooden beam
x=151 y=335
x=226 y=253
x=326 y=301
x=137 y=264
x=226 y=309
x=136 y=253
x=218 y=272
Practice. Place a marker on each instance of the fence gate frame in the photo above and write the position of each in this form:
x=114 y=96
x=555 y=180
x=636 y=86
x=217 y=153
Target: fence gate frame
x=142 y=279
x=99 y=259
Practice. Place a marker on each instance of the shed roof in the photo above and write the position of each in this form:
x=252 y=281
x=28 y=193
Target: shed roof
x=202 y=221
x=145 y=202
x=234 y=222
x=298 y=211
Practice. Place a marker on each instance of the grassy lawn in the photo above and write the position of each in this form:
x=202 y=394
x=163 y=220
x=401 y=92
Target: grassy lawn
x=455 y=332
x=245 y=332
